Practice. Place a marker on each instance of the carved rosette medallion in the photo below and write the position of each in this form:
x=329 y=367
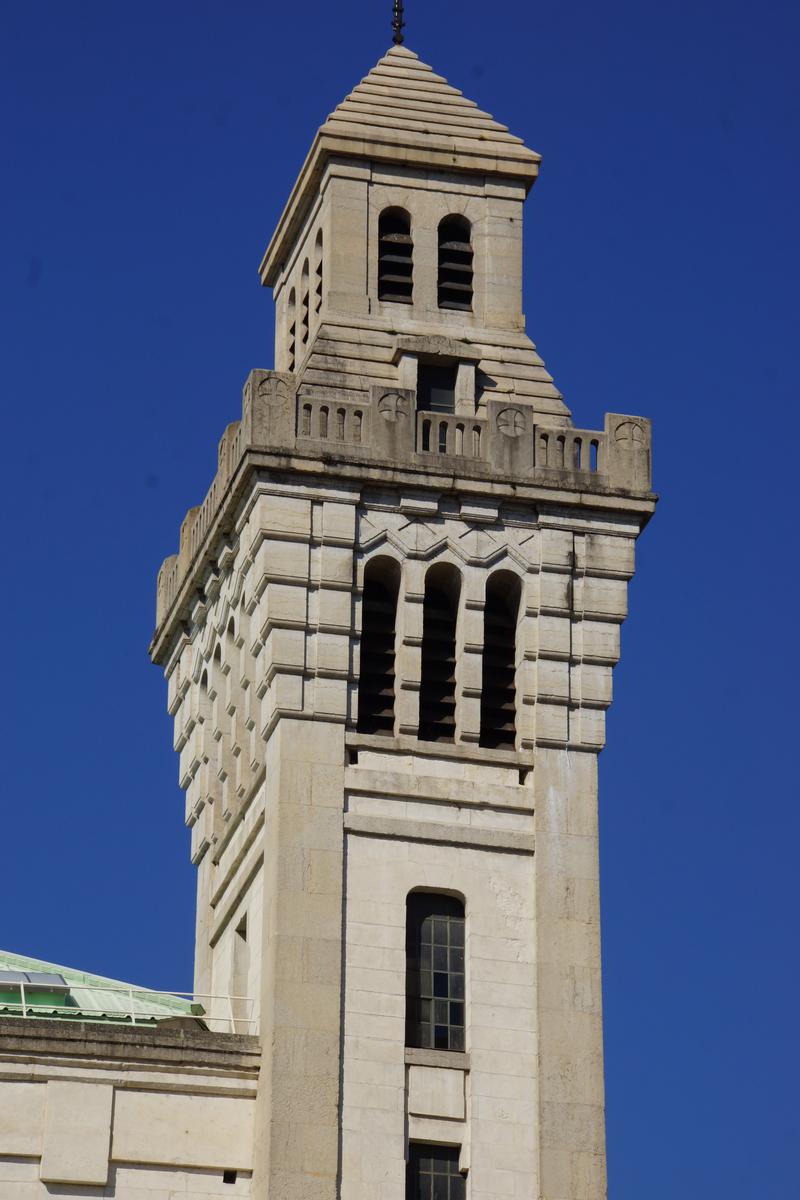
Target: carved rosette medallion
x=511 y=422
x=393 y=407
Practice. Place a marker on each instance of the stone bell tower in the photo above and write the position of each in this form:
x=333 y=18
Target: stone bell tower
x=389 y=636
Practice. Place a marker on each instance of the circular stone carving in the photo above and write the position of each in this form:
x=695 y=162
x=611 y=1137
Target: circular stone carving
x=392 y=407
x=511 y=422
x=629 y=434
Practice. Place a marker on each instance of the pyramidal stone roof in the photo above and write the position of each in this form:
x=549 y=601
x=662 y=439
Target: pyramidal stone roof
x=403 y=112
x=404 y=102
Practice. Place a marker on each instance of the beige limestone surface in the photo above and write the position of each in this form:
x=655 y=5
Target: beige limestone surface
x=308 y=835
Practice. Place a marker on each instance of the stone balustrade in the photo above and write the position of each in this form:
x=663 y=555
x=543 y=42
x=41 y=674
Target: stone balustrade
x=447 y=434
x=386 y=429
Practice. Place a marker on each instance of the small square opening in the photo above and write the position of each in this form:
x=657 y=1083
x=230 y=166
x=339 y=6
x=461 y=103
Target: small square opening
x=436 y=387
x=229 y=1177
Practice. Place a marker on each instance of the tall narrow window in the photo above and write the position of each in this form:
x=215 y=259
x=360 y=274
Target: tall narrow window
x=318 y=274
x=376 y=685
x=455 y=264
x=291 y=325
x=395 y=256
x=203 y=707
x=432 y=1173
x=437 y=698
x=304 y=305
x=498 y=693
x=434 y=971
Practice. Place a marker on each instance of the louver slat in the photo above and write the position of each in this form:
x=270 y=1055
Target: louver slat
x=455 y=264
x=376 y=685
x=498 y=693
x=395 y=257
x=437 y=702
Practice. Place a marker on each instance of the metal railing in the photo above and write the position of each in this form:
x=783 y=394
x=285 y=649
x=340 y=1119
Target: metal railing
x=129 y=1006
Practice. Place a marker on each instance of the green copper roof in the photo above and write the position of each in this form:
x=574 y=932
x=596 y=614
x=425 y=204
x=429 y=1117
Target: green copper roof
x=81 y=996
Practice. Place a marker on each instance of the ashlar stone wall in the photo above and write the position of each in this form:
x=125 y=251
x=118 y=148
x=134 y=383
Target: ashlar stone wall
x=128 y=1113
x=309 y=835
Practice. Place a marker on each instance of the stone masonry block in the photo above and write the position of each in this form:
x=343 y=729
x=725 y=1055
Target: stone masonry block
x=284 y=605
x=436 y=1092
x=338 y=522
x=602 y=552
x=77 y=1133
x=335 y=609
x=336 y=565
x=555 y=590
x=286 y=515
x=608 y=597
x=556 y=548
x=553 y=679
x=600 y=640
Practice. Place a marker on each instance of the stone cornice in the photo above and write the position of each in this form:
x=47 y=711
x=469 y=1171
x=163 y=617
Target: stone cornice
x=273 y=439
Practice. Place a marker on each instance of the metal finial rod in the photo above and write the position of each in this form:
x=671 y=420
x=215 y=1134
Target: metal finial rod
x=398 y=22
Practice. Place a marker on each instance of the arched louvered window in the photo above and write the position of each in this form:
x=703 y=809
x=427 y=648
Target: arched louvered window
x=291 y=325
x=318 y=274
x=455 y=264
x=437 y=697
x=376 y=684
x=395 y=256
x=434 y=971
x=498 y=693
x=304 y=305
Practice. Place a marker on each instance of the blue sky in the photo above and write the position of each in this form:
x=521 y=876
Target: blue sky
x=148 y=150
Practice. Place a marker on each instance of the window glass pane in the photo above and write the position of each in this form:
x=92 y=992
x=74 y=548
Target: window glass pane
x=440 y=1012
x=432 y=1173
x=456 y=1039
x=436 y=387
x=435 y=973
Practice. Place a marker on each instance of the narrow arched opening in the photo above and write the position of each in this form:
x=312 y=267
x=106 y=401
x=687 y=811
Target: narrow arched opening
x=499 y=692
x=455 y=264
x=395 y=256
x=435 y=974
x=437 y=697
x=376 y=684
x=304 y=306
x=318 y=274
x=291 y=327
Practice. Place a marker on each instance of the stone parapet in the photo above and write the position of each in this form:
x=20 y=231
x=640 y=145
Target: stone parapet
x=87 y=1109
x=505 y=448
x=140 y=1044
